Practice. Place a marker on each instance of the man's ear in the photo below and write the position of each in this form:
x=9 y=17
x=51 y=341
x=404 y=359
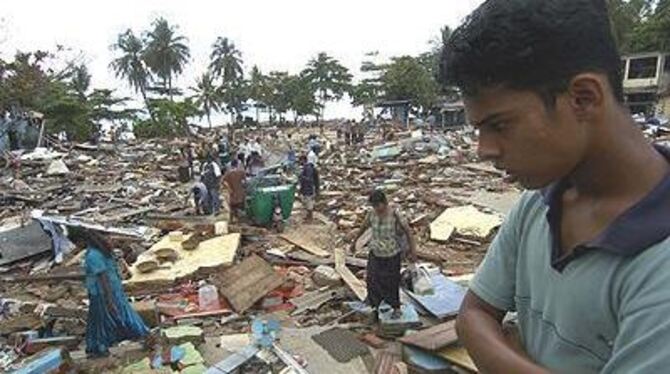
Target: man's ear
x=586 y=94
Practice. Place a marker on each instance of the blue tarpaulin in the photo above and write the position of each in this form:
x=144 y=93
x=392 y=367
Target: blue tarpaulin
x=445 y=301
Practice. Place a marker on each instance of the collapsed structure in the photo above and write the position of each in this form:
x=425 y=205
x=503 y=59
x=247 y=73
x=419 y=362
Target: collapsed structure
x=229 y=296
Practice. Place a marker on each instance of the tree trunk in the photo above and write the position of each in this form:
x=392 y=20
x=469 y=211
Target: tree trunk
x=258 y=114
x=146 y=103
x=209 y=119
x=170 y=87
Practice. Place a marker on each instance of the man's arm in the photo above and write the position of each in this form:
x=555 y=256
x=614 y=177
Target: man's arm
x=479 y=328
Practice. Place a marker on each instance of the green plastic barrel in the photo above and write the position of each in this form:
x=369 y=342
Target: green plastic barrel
x=260 y=203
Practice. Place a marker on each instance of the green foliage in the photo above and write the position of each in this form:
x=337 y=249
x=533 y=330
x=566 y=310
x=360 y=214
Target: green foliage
x=207 y=96
x=27 y=84
x=171 y=119
x=407 y=79
x=166 y=53
x=226 y=61
x=330 y=79
x=640 y=25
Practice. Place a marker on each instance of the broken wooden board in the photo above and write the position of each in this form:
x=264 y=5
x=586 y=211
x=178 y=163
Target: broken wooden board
x=363 y=240
x=209 y=255
x=459 y=356
x=433 y=338
x=465 y=220
x=247 y=282
x=355 y=284
x=300 y=237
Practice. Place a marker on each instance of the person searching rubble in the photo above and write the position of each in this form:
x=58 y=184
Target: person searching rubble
x=583 y=257
x=390 y=234
x=201 y=199
x=111 y=318
x=309 y=186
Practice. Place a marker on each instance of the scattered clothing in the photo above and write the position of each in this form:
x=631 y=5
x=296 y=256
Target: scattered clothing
x=106 y=327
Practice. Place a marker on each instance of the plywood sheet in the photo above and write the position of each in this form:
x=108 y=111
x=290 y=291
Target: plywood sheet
x=217 y=252
x=433 y=338
x=301 y=237
x=247 y=282
x=465 y=220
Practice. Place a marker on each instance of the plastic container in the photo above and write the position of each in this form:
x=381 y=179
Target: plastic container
x=260 y=205
x=208 y=298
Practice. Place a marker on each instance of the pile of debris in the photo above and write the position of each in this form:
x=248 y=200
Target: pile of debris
x=237 y=297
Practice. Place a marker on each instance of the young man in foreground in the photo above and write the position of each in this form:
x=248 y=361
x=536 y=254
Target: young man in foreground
x=583 y=257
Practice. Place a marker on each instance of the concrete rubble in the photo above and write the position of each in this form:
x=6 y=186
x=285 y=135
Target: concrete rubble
x=302 y=278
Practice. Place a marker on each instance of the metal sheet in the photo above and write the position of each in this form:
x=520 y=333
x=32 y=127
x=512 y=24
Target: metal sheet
x=23 y=242
x=233 y=362
x=445 y=301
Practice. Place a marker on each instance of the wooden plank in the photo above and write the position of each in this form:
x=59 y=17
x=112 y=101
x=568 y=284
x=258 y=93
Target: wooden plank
x=363 y=240
x=122 y=216
x=304 y=243
x=356 y=285
x=433 y=338
x=459 y=356
x=247 y=282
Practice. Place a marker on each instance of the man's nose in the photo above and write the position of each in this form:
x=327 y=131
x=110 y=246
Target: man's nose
x=488 y=148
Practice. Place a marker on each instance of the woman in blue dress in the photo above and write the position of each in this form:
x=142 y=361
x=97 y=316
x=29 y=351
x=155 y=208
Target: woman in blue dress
x=111 y=319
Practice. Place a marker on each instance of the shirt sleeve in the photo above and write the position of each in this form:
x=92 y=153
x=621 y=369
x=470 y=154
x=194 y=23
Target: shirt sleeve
x=495 y=280
x=644 y=326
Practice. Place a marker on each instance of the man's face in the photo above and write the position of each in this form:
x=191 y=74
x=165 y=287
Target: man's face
x=534 y=144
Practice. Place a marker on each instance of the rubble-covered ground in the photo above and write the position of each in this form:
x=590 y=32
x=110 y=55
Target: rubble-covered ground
x=453 y=204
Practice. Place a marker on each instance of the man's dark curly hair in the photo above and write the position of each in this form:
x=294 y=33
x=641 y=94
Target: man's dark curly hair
x=536 y=45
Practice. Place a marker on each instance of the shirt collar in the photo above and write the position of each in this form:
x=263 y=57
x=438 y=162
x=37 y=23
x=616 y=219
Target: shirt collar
x=638 y=228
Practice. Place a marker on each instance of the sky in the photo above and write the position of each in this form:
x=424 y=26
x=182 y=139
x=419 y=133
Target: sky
x=275 y=35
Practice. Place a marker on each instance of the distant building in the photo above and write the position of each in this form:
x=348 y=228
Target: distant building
x=646 y=82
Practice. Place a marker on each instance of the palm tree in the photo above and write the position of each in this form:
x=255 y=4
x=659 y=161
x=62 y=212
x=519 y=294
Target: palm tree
x=226 y=60
x=330 y=79
x=166 y=53
x=130 y=66
x=258 y=90
x=80 y=81
x=207 y=96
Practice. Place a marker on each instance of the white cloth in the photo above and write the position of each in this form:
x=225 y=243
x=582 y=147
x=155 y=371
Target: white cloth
x=312 y=158
x=217 y=169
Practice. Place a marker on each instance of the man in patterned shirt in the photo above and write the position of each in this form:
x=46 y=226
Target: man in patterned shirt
x=385 y=252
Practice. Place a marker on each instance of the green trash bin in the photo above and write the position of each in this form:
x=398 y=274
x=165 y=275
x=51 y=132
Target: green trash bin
x=260 y=202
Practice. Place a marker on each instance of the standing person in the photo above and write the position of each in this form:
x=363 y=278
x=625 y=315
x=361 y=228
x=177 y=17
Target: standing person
x=233 y=181
x=290 y=152
x=111 y=319
x=583 y=257
x=309 y=186
x=385 y=255
x=211 y=177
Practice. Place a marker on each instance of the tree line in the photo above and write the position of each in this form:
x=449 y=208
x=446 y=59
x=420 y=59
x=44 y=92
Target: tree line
x=150 y=61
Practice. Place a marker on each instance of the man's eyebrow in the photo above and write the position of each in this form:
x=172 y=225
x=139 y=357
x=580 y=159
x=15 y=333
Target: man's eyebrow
x=491 y=118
